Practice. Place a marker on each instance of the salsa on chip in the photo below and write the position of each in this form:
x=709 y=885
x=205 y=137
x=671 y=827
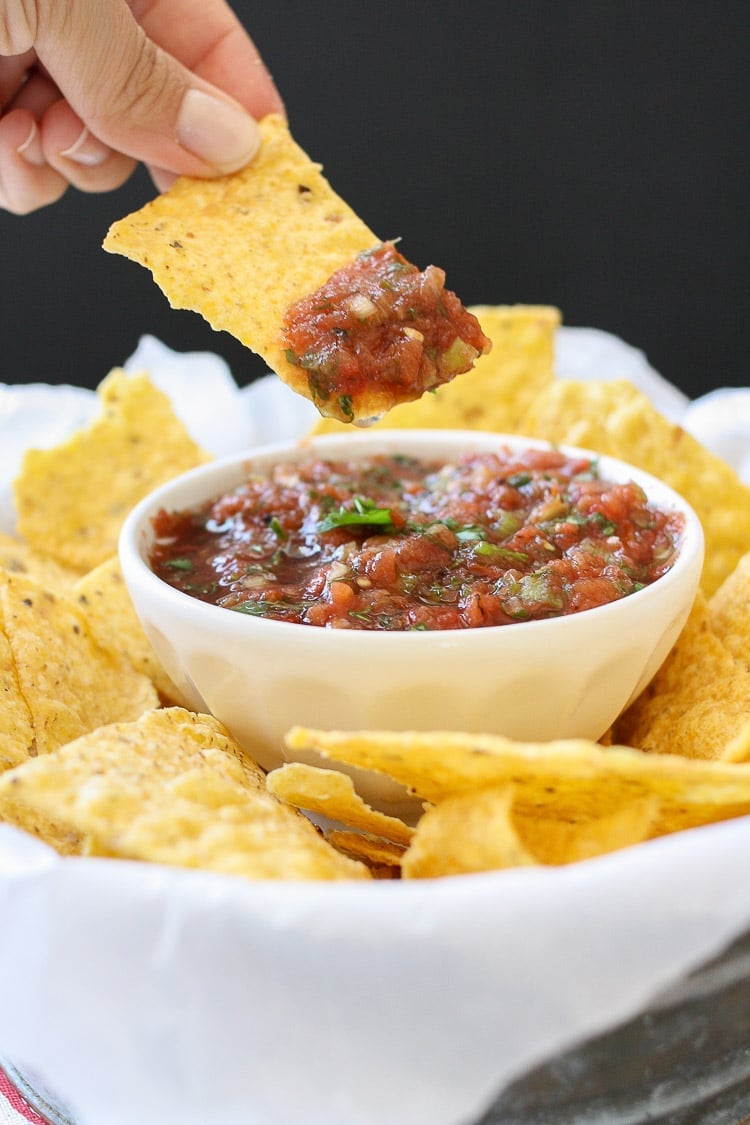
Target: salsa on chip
x=273 y=256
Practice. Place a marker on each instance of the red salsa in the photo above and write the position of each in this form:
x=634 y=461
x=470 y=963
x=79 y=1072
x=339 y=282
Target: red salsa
x=380 y=323
x=397 y=543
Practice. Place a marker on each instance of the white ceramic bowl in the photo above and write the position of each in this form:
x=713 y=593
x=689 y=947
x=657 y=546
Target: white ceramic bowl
x=559 y=678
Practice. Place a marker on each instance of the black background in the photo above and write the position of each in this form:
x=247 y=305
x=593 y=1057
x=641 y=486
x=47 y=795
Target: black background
x=590 y=155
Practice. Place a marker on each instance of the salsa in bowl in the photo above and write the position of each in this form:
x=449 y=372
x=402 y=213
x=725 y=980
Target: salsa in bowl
x=412 y=580
x=400 y=542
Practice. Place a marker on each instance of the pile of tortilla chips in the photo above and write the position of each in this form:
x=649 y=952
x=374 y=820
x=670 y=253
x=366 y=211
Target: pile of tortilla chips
x=100 y=756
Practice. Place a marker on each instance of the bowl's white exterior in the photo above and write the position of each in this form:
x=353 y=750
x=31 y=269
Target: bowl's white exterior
x=561 y=678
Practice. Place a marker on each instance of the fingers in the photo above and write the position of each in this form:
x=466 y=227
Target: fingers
x=38 y=162
x=26 y=180
x=50 y=138
x=140 y=100
x=72 y=150
x=180 y=92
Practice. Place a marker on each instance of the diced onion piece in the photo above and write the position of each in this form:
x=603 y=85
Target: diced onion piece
x=362 y=306
x=459 y=356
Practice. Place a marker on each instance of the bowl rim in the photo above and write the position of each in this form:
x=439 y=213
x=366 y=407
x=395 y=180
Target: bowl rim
x=134 y=528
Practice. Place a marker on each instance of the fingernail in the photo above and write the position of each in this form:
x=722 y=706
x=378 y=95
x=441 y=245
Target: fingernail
x=87 y=150
x=218 y=132
x=31 y=149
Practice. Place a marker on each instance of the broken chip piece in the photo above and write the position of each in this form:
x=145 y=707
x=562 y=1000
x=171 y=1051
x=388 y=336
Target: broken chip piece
x=332 y=794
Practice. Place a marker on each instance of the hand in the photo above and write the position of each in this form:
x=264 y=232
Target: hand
x=90 y=87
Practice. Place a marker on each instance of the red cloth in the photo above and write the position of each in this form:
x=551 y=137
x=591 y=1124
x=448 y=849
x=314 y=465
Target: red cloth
x=9 y=1097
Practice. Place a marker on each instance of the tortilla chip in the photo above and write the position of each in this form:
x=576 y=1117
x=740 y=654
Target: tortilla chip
x=331 y=793
x=106 y=604
x=242 y=249
x=483 y=831
x=738 y=748
x=174 y=788
x=572 y=778
x=618 y=420
x=729 y=611
x=699 y=700
x=69 y=683
x=135 y=756
x=555 y=841
x=18 y=558
x=16 y=727
x=466 y=833
x=372 y=850
x=500 y=390
x=71 y=500
x=30 y=820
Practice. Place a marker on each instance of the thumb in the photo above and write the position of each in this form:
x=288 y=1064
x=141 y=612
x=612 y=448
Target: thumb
x=135 y=96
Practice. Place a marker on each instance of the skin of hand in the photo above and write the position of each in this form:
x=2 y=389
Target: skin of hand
x=89 y=88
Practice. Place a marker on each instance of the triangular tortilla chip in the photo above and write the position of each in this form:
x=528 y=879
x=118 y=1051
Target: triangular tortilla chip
x=699 y=700
x=173 y=788
x=729 y=610
x=107 y=606
x=19 y=558
x=68 y=682
x=72 y=499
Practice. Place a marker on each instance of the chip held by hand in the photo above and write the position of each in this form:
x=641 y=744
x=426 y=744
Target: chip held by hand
x=272 y=255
